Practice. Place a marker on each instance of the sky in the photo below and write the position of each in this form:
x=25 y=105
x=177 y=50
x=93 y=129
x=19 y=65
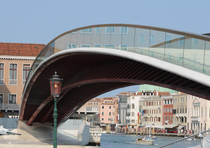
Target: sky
x=40 y=21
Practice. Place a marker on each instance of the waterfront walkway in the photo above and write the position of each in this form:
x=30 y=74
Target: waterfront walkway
x=42 y=146
x=26 y=140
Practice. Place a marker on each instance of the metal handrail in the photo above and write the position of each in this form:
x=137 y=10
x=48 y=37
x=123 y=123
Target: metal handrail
x=180 y=140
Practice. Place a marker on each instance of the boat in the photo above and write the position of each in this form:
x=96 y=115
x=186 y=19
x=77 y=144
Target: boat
x=189 y=138
x=145 y=140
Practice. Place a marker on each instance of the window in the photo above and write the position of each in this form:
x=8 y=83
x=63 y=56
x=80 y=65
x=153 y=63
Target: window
x=110 y=113
x=1 y=98
x=102 y=113
x=133 y=106
x=1 y=73
x=26 y=69
x=72 y=46
x=102 y=107
x=109 y=29
x=123 y=30
x=110 y=107
x=102 y=119
x=12 y=99
x=128 y=106
x=13 y=74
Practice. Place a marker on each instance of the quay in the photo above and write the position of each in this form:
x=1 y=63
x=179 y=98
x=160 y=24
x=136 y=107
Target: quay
x=42 y=146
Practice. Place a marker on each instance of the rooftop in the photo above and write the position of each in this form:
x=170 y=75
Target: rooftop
x=20 y=49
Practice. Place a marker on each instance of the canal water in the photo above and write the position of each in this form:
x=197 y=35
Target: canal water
x=128 y=141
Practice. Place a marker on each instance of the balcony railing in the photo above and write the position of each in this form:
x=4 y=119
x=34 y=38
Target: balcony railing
x=4 y=106
x=195 y=119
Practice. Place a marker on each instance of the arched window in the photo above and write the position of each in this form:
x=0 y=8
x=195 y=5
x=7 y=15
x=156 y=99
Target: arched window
x=133 y=106
x=128 y=106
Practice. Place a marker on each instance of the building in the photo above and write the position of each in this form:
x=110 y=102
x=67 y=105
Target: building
x=180 y=104
x=167 y=110
x=123 y=107
x=198 y=113
x=90 y=107
x=133 y=109
x=90 y=110
x=109 y=110
x=15 y=62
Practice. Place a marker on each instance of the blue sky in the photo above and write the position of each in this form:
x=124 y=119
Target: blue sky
x=39 y=21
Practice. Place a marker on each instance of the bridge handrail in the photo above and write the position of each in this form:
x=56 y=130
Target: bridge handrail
x=180 y=140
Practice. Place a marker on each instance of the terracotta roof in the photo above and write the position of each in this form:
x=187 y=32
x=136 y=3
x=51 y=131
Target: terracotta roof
x=163 y=93
x=20 y=49
x=125 y=93
x=108 y=98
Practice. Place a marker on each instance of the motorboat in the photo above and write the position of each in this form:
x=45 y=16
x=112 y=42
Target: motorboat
x=145 y=140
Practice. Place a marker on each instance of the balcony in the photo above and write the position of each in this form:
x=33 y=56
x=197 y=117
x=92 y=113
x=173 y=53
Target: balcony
x=195 y=119
x=11 y=107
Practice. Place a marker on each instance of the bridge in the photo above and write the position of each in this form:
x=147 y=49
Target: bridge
x=95 y=59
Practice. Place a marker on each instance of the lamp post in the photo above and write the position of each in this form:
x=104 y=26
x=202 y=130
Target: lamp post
x=55 y=88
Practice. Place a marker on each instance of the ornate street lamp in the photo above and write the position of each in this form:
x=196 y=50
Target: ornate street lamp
x=55 y=88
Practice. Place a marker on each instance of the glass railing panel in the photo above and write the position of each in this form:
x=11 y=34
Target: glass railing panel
x=115 y=38
x=157 y=44
x=60 y=44
x=174 y=45
x=96 y=37
x=194 y=54
x=106 y=36
x=86 y=37
x=142 y=40
x=207 y=59
x=127 y=38
x=71 y=41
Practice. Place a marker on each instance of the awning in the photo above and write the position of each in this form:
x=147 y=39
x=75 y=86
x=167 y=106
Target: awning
x=181 y=126
x=154 y=126
x=170 y=125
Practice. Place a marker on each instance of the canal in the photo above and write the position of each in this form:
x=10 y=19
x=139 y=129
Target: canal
x=128 y=141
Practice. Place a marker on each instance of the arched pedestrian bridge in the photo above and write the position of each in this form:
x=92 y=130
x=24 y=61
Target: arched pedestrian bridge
x=95 y=59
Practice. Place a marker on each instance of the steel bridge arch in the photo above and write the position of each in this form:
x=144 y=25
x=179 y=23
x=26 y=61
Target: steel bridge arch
x=124 y=68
